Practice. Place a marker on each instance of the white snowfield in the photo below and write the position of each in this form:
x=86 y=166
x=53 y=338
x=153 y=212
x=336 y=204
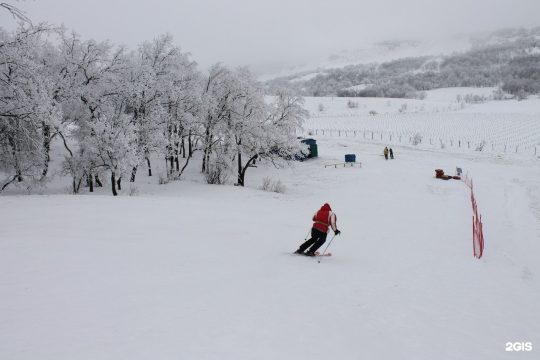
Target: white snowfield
x=194 y=271
x=442 y=122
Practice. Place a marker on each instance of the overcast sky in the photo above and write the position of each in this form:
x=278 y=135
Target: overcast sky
x=253 y=32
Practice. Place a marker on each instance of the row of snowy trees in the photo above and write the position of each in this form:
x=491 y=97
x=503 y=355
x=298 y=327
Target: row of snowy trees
x=113 y=110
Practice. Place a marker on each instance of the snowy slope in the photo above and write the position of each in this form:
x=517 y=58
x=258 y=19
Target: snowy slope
x=438 y=100
x=205 y=272
x=504 y=127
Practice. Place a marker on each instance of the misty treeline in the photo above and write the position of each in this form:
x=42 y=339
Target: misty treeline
x=112 y=111
x=511 y=62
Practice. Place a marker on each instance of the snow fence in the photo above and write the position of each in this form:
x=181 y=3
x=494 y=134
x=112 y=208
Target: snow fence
x=478 y=234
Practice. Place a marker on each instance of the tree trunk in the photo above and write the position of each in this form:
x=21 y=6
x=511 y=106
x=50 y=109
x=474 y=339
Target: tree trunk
x=98 y=182
x=204 y=164
x=149 y=166
x=119 y=182
x=113 y=184
x=171 y=160
x=9 y=182
x=190 y=144
x=203 y=169
x=46 y=148
x=133 y=174
x=77 y=185
x=208 y=156
x=207 y=150
x=16 y=165
x=183 y=148
x=240 y=173
x=184 y=167
x=169 y=150
x=90 y=182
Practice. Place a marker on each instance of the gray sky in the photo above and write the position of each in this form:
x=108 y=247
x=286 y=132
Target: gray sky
x=253 y=32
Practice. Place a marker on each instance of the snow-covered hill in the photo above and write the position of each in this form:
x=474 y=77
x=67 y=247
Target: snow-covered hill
x=387 y=51
x=506 y=58
x=375 y=53
x=193 y=271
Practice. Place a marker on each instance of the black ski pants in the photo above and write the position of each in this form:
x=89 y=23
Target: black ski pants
x=318 y=238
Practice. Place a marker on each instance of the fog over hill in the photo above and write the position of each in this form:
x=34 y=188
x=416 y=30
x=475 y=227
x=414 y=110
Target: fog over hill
x=272 y=35
x=509 y=58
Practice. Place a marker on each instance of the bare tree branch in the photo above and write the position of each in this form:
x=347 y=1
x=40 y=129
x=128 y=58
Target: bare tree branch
x=16 y=13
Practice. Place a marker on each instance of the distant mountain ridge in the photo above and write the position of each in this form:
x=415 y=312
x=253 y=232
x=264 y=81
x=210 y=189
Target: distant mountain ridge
x=508 y=58
x=376 y=53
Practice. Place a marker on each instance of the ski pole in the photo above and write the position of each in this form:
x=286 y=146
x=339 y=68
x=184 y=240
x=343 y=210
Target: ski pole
x=326 y=248
x=307 y=236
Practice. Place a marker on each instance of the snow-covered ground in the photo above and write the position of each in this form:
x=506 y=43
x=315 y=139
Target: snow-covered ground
x=436 y=101
x=193 y=271
x=452 y=94
x=501 y=127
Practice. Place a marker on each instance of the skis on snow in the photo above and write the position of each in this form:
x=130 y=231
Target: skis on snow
x=317 y=254
x=325 y=254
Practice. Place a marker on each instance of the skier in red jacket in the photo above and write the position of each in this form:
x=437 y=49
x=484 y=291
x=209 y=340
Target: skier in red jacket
x=322 y=221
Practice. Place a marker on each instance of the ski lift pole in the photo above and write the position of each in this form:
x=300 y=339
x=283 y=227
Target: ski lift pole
x=326 y=248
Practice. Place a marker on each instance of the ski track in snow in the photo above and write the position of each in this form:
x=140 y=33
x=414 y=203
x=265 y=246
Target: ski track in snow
x=200 y=272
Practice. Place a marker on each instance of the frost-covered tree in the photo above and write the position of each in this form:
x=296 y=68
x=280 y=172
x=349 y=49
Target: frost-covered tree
x=287 y=115
x=27 y=109
x=216 y=94
x=89 y=76
x=256 y=130
x=183 y=104
x=111 y=110
x=245 y=119
x=238 y=124
x=272 y=137
x=114 y=144
x=163 y=100
x=148 y=81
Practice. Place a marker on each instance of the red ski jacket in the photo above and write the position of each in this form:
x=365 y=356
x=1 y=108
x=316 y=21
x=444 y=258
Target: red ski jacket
x=325 y=218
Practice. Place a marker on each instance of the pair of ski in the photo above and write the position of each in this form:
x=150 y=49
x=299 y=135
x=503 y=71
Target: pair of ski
x=317 y=254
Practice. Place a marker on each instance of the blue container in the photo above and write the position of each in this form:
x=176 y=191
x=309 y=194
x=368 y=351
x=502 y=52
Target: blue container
x=350 y=158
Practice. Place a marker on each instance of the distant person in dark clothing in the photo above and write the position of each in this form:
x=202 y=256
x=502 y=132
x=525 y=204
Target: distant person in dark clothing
x=391 y=153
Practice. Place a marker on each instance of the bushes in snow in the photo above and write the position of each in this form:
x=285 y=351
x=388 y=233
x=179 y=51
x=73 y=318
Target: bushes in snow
x=273 y=186
x=417 y=139
x=352 y=104
x=523 y=76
